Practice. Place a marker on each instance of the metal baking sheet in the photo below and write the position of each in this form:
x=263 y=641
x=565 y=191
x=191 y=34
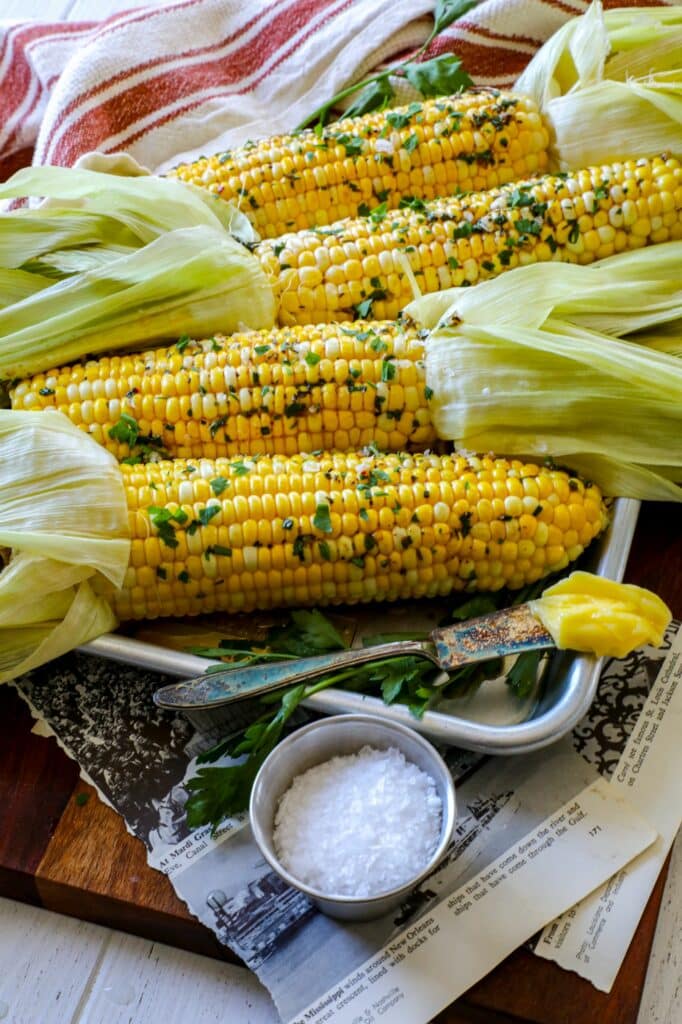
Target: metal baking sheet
x=491 y=720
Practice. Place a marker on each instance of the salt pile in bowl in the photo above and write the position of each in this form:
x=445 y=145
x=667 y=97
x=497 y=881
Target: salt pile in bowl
x=359 y=824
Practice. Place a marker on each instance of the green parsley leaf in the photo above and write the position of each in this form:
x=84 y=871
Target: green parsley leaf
x=448 y=11
x=398 y=119
x=218 y=484
x=217 y=549
x=375 y=96
x=388 y=370
x=162 y=519
x=206 y=514
x=523 y=674
x=312 y=358
x=441 y=76
x=322 y=518
x=379 y=213
x=126 y=430
x=412 y=203
x=353 y=144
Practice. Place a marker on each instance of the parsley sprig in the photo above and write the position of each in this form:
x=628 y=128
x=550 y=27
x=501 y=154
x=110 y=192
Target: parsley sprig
x=220 y=791
x=440 y=76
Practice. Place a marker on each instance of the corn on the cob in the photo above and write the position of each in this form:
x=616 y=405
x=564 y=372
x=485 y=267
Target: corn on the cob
x=360 y=267
x=260 y=392
x=343 y=528
x=473 y=141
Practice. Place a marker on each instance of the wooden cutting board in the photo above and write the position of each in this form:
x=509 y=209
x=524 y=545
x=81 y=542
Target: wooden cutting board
x=63 y=849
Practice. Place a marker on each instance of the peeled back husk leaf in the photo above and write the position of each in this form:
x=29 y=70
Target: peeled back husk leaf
x=144 y=205
x=16 y=285
x=188 y=281
x=63 y=521
x=134 y=259
x=608 y=85
x=530 y=364
x=628 y=42
x=631 y=291
x=614 y=120
x=560 y=392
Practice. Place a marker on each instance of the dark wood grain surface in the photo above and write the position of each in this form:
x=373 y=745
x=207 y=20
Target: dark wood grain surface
x=74 y=855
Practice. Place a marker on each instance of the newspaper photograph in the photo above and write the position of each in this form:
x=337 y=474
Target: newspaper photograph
x=521 y=821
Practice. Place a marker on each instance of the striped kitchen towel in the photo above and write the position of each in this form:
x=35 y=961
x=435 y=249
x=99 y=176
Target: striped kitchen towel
x=168 y=82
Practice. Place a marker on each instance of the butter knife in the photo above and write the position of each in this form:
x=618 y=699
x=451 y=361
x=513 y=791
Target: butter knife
x=507 y=632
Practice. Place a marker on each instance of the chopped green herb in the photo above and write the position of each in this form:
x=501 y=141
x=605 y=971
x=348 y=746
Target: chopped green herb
x=352 y=144
x=388 y=369
x=217 y=425
x=322 y=518
x=125 y=431
x=217 y=549
x=207 y=514
x=218 y=484
x=162 y=519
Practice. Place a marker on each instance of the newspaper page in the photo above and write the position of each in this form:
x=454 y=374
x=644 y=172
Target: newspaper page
x=593 y=937
x=521 y=821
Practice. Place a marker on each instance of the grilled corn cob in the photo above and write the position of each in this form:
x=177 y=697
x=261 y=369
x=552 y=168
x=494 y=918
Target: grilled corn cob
x=365 y=267
x=472 y=141
x=343 y=528
x=261 y=392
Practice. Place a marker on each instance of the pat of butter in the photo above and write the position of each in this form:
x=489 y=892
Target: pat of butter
x=584 y=612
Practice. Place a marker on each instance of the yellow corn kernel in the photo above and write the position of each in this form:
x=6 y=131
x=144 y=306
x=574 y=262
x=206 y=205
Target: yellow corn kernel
x=355 y=527
x=293 y=182
x=255 y=393
x=457 y=241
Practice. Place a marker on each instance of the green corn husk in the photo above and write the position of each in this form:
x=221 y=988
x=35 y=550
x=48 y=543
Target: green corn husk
x=16 y=285
x=610 y=85
x=537 y=363
x=63 y=517
x=113 y=262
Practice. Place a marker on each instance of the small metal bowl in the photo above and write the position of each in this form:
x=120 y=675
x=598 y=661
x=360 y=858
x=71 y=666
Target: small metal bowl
x=319 y=742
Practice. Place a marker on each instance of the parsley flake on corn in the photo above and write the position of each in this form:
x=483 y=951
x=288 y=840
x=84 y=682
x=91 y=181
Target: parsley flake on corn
x=367 y=266
x=293 y=531
x=260 y=392
x=472 y=141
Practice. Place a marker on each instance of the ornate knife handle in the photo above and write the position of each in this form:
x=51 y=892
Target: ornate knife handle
x=221 y=687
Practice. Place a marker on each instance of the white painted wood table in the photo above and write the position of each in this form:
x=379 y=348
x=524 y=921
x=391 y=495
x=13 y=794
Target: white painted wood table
x=57 y=970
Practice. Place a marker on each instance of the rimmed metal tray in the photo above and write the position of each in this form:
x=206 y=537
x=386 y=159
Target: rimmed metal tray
x=491 y=720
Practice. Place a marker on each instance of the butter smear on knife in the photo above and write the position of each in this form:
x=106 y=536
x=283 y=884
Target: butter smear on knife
x=584 y=612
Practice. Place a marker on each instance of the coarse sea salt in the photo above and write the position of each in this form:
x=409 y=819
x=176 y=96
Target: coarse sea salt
x=358 y=824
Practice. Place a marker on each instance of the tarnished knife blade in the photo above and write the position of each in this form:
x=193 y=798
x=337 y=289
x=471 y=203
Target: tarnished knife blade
x=510 y=631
